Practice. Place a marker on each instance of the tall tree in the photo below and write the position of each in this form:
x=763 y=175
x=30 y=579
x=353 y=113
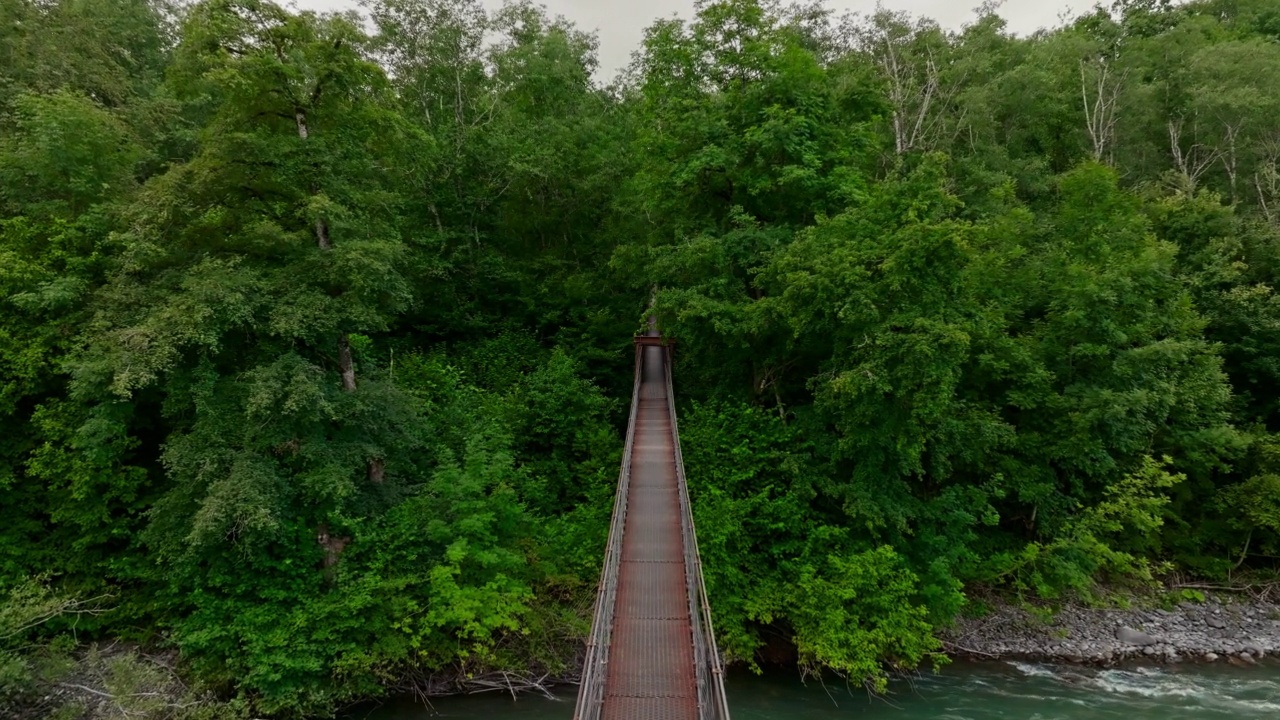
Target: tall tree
x=248 y=270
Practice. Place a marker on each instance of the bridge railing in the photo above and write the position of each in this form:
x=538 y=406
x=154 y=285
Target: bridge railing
x=591 y=690
x=713 y=704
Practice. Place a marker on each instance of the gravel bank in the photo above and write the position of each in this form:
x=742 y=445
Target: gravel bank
x=1219 y=630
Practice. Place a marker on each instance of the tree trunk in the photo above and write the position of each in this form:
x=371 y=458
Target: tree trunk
x=1100 y=109
x=322 y=235
x=322 y=228
x=333 y=547
x=345 y=364
x=346 y=367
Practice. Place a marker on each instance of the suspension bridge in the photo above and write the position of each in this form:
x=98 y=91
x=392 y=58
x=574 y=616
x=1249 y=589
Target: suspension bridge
x=652 y=651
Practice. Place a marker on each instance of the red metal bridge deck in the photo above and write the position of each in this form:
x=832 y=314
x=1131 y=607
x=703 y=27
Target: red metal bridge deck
x=650 y=672
x=652 y=653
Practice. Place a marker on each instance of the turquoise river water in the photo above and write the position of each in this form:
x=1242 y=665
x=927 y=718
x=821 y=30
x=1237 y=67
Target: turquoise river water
x=990 y=691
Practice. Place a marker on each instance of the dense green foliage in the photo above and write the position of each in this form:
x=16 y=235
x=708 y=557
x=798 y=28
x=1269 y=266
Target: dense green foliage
x=314 y=351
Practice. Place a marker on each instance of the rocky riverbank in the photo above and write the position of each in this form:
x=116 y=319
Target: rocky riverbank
x=1221 y=629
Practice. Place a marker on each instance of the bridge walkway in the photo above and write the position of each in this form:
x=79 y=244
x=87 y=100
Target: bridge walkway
x=650 y=672
x=652 y=653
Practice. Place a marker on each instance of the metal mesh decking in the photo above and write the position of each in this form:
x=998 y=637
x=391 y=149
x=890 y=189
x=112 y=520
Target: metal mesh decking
x=650 y=672
x=652 y=653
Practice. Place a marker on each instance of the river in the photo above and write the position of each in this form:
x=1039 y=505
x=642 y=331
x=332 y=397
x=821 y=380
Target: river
x=990 y=691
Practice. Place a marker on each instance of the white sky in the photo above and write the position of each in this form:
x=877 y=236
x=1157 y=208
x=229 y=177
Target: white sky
x=620 y=24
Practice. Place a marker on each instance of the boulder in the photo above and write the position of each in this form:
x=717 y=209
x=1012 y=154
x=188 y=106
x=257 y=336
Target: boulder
x=1129 y=636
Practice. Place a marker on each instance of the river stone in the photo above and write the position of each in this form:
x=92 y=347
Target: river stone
x=1129 y=636
x=1210 y=657
x=1215 y=623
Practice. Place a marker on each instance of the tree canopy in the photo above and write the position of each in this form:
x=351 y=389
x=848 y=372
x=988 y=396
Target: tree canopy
x=315 y=342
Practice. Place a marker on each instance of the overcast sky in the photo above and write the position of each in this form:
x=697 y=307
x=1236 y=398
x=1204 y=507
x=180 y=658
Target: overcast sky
x=620 y=23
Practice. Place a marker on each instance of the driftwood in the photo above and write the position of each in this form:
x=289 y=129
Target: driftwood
x=1264 y=588
x=1261 y=592
x=423 y=687
x=118 y=680
x=513 y=684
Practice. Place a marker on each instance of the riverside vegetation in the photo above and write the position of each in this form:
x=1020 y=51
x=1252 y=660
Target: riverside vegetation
x=315 y=341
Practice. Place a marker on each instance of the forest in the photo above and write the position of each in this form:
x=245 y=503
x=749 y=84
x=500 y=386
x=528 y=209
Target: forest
x=315 y=348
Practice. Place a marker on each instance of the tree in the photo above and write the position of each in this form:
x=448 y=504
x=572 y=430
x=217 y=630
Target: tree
x=113 y=52
x=916 y=61
x=746 y=139
x=246 y=273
